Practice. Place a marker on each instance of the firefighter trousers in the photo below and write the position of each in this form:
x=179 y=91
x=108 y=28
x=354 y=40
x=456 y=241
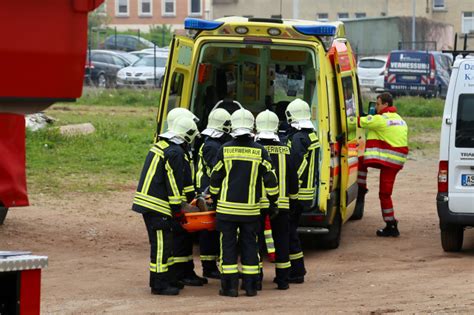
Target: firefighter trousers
x=232 y=234
x=209 y=250
x=279 y=237
x=183 y=264
x=161 y=242
x=297 y=268
x=386 y=182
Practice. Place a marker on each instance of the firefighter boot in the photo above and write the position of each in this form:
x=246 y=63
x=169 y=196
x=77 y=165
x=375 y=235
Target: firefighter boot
x=390 y=229
x=210 y=270
x=229 y=285
x=161 y=286
x=250 y=284
x=281 y=278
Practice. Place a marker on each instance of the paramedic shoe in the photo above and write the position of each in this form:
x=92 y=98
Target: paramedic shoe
x=390 y=230
x=166 y=291
x=213 y=274
x=299 y=279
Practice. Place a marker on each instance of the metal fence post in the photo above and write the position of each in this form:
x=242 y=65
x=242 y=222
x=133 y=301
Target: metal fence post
x=115 y=37
x=154 y=65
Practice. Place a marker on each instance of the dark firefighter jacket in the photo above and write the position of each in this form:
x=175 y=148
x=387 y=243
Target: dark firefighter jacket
x=236 y=179
x=189 y=192
x=160 y=187
x=285 y=172
x=304 y=152
x=206 y=160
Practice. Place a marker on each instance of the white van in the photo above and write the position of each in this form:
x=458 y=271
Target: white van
x=455 y=199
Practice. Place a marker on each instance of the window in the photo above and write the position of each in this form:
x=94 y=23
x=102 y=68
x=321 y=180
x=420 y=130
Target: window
x=371 y=64
x=465 y=122
x=350 y=103
x=122 y=7
x=360 y=15
x=343 y=16
x=174 y=95
x=145 y=7
x=195 y=7
x=168 y=7
x=467 y=22
x=119 y=62
x=438 y=4
x=323 y=17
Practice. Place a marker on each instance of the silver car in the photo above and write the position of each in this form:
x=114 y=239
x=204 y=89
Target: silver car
x=145 y=72
x=371 y=72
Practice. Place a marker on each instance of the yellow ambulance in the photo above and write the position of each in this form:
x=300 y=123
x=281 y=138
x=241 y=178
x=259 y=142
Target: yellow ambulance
x=264 y=64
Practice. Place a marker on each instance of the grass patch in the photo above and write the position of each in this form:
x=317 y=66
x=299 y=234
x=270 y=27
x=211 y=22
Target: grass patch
x=120 y=97
x=105 y=160
x=419 y=107
x=423 y=133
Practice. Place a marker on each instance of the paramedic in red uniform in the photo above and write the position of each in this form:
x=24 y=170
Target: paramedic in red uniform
x=387 y=150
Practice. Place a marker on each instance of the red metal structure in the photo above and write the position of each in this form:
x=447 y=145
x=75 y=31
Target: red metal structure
x=43 y=52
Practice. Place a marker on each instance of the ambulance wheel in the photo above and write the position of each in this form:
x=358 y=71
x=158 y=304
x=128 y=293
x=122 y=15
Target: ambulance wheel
x=3 y=214
x=332 y=239
x=451 y=237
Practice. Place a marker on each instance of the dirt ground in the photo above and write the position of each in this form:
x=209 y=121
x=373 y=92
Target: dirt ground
x=98 y=257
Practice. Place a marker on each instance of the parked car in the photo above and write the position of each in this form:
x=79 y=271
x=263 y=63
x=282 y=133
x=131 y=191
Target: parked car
x=126 y=43
x=144 y=71
x=455 y=198
x=130 y=57
x=371 y=72
x=149 y=51
x=101 y=70
x=423 y=73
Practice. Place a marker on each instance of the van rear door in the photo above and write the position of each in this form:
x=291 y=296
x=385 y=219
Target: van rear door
x=348 y=101
x=408 y=71
x=461 y=148
x=178 y=78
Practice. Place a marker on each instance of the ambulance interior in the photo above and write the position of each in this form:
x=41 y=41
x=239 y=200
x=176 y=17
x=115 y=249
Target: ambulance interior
x=258 y=76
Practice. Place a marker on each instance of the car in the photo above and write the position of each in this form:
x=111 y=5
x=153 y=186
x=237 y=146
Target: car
x=265 y=64
x=149 y=51
x=145 y=72
x=102 y=67
x=455 y=197
x=371 y=72
x=130 y=57
x=126 y=43
x=424 y=73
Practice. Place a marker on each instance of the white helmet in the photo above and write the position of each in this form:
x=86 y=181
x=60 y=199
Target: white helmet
x=298 y=114
x=218 y=123
x=184 y=128
x=267 y=125
x=242 y=123
x=174 y=114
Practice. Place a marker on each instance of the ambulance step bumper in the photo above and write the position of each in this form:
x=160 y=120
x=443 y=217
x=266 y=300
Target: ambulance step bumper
x=312 y=230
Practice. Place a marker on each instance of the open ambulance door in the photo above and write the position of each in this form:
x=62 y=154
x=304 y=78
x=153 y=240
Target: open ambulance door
x=178 y=79
x=348 y=101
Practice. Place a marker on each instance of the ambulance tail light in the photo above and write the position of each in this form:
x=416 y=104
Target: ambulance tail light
x=316 y=217
x=443 y=177
x=432 y=69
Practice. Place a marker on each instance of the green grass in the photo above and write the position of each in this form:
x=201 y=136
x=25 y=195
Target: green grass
x=120 y=97
x=105 y=160
x=423 y=133
x=419 y=107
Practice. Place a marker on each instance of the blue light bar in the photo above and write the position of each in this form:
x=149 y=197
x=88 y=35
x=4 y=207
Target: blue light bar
x=317 y=30
x=199 y=24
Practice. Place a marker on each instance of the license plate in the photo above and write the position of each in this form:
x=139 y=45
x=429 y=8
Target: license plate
x=467 y=179
x=409 y=77
x=367 y=81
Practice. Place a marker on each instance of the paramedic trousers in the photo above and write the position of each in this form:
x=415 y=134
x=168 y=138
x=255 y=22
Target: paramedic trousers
x=387 y=180
x=161 y=240
x=209 y=250
x=183 y=264
x=279 y=236
x=297 y=268
x=233 y=233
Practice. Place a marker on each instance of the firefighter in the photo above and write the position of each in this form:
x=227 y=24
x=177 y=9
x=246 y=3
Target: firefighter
x=159 y=197
x=267 y=135
x=386 y=149
x=217 y=133
x=304 y=152
x=236 y=186
x=183 y=264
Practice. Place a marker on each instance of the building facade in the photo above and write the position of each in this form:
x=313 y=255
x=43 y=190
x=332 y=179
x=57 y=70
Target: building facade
x=459 y=13
x=140 y=14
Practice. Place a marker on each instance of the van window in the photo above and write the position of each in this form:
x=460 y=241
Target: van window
x=465 y=122
x=371 y=64
x=174 y=96
x=258 y=76
x=350 y=105
x=409 y=61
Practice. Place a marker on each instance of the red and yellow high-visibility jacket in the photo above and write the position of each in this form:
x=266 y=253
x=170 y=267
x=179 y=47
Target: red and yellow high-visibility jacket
x=387 y=139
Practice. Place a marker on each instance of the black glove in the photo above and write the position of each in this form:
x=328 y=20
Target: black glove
x=179 y=217
x=273 y=211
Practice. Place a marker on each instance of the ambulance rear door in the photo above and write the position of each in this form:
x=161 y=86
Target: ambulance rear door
x=348 y=102
x=178 y=79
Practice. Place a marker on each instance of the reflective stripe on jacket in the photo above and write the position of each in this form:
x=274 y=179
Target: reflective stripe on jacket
x=236 y=179
x=387 y=139
x=207 y=159
x=160 y=187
